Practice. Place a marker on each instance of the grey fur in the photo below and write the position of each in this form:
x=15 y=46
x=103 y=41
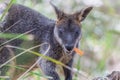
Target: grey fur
x=29 y=19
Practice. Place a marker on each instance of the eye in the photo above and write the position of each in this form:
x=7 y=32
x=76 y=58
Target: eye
x=60 y=31
x=77 y=33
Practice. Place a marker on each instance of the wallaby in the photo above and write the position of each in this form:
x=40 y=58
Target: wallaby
x=62 y=34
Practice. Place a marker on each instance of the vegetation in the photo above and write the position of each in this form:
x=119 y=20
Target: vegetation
x=100 y=36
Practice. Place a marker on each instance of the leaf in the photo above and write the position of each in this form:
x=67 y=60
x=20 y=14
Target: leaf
x=78 y=51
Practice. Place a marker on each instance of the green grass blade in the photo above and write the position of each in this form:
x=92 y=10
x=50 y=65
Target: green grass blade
x=13 y=35
x=6 y=10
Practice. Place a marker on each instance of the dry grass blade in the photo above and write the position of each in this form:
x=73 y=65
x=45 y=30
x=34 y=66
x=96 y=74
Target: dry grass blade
x=81 y=73
x=34 y=63
x=4 y=77
x=18 y=54
x=16 y=37
x=10 y=27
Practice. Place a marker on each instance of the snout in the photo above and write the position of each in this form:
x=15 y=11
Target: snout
x=69 y=47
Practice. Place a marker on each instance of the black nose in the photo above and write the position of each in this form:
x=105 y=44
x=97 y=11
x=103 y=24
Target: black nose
x=69 y=47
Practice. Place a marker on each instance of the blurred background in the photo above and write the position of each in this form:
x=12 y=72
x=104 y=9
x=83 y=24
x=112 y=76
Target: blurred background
x=100 y=32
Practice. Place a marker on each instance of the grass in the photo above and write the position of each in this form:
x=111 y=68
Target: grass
x=6 y=10
x=23 y=36
x=98 y=48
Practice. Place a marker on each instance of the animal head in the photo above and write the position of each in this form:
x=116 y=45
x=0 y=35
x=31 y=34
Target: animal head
x=67 y=29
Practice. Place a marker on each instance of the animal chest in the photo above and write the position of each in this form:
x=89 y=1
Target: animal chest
x=65 y=58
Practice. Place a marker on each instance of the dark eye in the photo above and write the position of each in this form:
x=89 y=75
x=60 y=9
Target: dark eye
x=77 y=33
x=60 y=32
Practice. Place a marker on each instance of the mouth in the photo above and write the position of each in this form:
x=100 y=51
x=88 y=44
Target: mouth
x=76 y=50
x=68 y=51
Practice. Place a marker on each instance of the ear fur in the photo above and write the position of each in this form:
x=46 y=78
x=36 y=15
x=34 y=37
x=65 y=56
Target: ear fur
x=60 y=14
x=80 y=16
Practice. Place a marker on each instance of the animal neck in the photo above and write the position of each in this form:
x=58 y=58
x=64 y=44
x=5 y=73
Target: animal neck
x=55 y=41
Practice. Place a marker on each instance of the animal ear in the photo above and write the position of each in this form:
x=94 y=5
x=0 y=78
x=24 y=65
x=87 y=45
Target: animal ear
x=60 y=14
x=80 y=16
